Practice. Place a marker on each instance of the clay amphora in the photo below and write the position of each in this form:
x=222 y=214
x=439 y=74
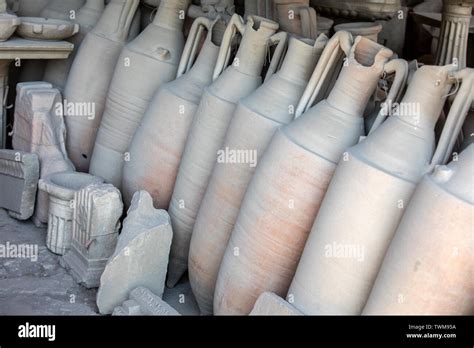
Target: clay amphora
x=427 y=268
x=57 y=70
x=145 y=64
x=291 y=179
x=253 y=124
x=215 y=111
x=367 y=198
x=90 y=77
x=159 y=141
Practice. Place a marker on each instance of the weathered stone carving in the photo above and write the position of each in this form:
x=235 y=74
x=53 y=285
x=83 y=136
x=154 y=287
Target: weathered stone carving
x=61 y=188
x=19 y=173
x=143 y=302
x=452 y=45
x=141 y=256
x=39 y=128
x=97 y=210
x=365 y=9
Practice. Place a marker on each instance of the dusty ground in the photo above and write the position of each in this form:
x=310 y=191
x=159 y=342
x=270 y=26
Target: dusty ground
x=40 y=286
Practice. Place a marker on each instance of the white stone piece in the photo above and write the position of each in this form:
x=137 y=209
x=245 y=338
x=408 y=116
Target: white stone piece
x=141 y=256
x=19 y=172
x=61 y=188
x=269 y=303
x=144 y=302
x=39 y=128
x=97 y=210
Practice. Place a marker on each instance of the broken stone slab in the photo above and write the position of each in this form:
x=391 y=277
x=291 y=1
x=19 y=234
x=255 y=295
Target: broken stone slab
x=144 y=302
x=141 y=256
x=19 y=173
x=39 y=128
x=269 y=303
x=97 y=211
x=61 y=188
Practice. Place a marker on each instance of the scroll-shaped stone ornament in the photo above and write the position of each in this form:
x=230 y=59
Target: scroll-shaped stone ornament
x=97 y=210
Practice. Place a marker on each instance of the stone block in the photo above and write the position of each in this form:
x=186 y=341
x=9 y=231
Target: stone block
x=269 y=303
x=39 y=128
x=141 y=256
x=19 y=172
x=97 y=210
x=61 y=188
x=144 y=302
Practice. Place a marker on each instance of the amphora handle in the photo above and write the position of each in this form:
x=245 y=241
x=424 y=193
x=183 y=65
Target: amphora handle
x=235 y=25
x=340 y=44
x=456 y=117
x=400 y=68
x=191 y=48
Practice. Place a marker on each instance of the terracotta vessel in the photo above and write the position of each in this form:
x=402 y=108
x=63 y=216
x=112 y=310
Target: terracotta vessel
x=95 y=62
x=145 y=64
x=86 y=17
x=368 y=196
x=253 y=124
x=427 y=266
x=289 y=184
x=214 y=113
x=159 y=141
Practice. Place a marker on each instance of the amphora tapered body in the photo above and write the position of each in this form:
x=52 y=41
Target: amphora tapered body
x=254 y=122
x=159 y=141
x=429 y=265
x=366 y=199
x=144 y=65
x=210 y=124
x=57 y=70
x=290 y=181
x=90 y=76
